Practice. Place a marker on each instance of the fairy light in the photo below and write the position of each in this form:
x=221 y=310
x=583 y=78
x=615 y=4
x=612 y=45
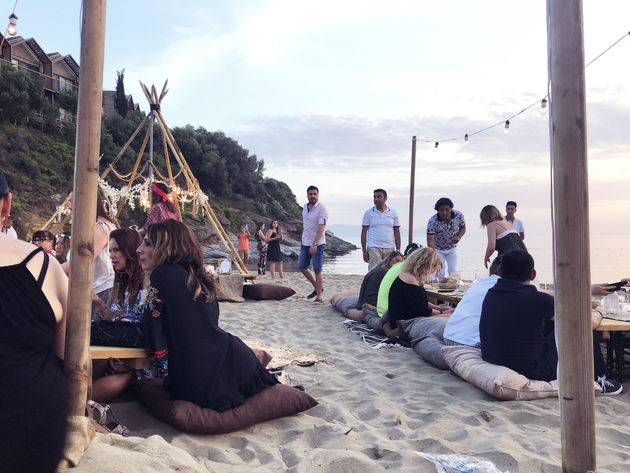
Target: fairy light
x=12 y=29
x=466 y=140
x=506 y=128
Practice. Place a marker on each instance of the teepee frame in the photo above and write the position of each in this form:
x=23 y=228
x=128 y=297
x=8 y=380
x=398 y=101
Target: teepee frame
x=199 y=199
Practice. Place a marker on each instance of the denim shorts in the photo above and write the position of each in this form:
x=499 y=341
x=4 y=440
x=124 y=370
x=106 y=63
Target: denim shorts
x=305 y=258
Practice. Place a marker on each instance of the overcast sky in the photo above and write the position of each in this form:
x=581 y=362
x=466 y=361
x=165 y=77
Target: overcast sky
x=331 y=92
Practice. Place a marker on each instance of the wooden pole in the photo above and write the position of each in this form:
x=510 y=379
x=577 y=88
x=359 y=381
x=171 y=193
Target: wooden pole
x=84 y=203
x=412 y=188
x=571 y=234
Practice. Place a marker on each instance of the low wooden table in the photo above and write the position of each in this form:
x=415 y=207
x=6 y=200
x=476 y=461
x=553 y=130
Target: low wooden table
x=613 y=332
x=437 y=297
x=136 y=357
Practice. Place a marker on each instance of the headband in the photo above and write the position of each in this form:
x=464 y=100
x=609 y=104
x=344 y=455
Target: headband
x=160 y=192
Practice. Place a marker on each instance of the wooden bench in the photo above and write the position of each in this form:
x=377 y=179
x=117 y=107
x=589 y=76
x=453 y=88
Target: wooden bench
x=135 y=357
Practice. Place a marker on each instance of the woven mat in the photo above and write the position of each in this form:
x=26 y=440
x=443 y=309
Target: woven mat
x=282 y=357
x=376 y=339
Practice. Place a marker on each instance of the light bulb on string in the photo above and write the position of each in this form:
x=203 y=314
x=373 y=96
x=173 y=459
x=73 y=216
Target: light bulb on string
x=436 y=147
x=12 y=29
x=466 y=141
x=543 y=106
x=506 y=128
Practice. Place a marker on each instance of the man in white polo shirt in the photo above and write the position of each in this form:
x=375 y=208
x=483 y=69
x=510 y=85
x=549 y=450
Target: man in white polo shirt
x=314 y=216
x=510 y=210
x=380 y=234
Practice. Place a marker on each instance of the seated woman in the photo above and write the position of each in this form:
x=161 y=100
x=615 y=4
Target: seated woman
x=206 y=365
x=111 y=377
x=502 y=236
x=46 y=241
x=62 y=247
x=33 y=386
x=351 y=303
x=407 y=297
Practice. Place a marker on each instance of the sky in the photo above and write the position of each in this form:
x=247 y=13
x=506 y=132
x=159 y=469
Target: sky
x=331 y=93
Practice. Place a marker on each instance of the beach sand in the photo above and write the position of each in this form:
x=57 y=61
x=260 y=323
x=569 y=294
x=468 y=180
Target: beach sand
x=376 y=409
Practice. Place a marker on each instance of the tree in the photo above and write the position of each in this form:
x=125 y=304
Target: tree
x=120 y=99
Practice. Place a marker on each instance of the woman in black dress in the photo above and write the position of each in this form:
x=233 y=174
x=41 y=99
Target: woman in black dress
x=206 y=365
x=32 y=337
x=273 y=237
x=502 y=236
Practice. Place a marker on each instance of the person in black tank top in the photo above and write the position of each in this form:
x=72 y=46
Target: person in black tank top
x=32 y=382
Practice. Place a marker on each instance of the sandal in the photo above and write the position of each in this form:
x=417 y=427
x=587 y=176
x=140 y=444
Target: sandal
x=102 y=414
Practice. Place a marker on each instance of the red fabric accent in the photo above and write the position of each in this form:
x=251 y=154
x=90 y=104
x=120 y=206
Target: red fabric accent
x=160 y=192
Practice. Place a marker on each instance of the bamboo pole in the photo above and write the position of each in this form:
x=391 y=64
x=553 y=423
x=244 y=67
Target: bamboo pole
x=133 y=173
x=412 y=187
x=571 y=234
x=84 y=208
x=125 y=146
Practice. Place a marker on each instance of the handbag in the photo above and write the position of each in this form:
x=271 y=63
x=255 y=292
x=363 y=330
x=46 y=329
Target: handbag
x=116 y=334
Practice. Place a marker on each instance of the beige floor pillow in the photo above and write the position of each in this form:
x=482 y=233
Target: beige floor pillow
x=498 y=381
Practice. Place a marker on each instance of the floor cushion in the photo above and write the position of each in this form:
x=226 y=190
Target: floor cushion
x=498 y=381
x=264 y=292
x=425 y=336
x=344 y=304
x=270 y=403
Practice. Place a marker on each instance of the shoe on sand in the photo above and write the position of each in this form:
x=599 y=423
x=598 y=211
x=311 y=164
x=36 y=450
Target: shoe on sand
x=318 y=300
x=313 y=294
x=609 y=388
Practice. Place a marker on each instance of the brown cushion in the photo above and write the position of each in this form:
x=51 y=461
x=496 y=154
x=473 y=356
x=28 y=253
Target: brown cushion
x=265 y=292
x=270 y=403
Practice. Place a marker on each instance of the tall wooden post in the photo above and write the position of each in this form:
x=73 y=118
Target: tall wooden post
x=84 y=203
x=412 y=187
x=571 y=230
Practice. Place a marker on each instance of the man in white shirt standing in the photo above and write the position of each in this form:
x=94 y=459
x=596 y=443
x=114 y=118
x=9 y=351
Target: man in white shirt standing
x=510 y=210
x=315 y=217
x=380 y=234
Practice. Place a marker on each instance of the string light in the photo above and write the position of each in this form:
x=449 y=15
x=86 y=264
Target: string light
x=466 y=140
x=543 y=103
x=435 y=148
x=12 y=29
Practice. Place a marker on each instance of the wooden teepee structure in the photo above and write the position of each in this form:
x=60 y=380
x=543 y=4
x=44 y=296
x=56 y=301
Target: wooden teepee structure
x=138 y=181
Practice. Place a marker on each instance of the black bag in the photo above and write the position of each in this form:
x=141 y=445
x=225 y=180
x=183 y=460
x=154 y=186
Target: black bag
x=116 y=334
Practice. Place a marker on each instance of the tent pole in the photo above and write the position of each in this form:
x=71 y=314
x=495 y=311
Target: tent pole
x=84 y=208
x=571 y=234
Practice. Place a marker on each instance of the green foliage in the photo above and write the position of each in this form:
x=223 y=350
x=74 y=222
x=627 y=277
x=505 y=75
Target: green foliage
x=68 y=100
x=120 y=99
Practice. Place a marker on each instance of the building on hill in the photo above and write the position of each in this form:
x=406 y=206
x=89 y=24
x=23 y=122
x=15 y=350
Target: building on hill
x=60 y=72
x=108 y=103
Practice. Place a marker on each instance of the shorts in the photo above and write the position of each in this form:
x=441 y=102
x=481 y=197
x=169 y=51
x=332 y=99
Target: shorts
x=244 y=254
x=305 y=258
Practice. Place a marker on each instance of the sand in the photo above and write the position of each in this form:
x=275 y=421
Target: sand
x=376 y=409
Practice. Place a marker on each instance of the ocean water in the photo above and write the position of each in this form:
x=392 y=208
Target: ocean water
x=610 y=258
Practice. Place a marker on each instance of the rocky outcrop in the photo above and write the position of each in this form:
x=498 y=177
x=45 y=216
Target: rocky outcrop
x=290 y=246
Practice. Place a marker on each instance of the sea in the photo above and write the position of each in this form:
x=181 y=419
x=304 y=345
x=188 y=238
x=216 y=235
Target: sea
x=610 y=258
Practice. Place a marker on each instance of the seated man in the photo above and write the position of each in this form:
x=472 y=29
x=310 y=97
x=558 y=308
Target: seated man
x=351 y=304
x=462 y=328
x=516 y=326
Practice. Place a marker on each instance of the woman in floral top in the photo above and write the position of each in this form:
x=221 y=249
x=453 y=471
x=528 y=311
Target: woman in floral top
x=206 y=365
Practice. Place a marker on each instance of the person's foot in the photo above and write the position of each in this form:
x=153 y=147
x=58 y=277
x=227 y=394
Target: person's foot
x=318 y=300
x=609 y=387
x=311 y=295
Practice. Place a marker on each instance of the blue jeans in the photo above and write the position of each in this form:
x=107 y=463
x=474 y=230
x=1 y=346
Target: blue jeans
x=305 y=258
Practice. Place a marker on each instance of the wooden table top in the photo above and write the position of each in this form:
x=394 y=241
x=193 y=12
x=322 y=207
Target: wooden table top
x=102 y=353
x=612 y=325
x=454 y=297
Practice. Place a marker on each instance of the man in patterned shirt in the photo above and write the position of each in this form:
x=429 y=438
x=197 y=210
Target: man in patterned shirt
x=444 y=231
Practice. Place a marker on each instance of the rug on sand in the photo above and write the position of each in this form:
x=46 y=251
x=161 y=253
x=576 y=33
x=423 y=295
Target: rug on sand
x=376 y=339
x=282 y=357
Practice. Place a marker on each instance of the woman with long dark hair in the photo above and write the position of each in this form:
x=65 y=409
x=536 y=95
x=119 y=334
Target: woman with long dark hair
x=274 y=255
x=206 y=365
x=261 y=247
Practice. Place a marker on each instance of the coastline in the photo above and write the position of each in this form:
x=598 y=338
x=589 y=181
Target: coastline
x=376 y=409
